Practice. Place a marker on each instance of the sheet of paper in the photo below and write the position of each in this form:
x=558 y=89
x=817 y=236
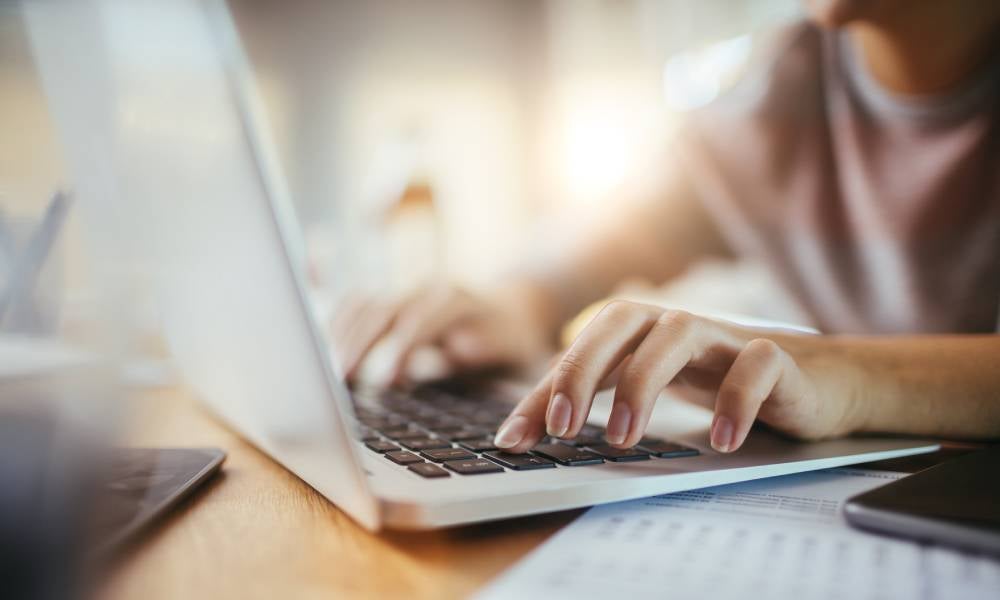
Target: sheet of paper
x=782 y=537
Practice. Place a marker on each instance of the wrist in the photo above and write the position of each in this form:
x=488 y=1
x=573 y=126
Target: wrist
x=861 y=402
x=843 y=386
x=862 y=390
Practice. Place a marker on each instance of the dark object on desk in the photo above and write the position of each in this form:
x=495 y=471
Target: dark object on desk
x=141 y=485
x=67 y=501
x=956 y=503
x=45 y=478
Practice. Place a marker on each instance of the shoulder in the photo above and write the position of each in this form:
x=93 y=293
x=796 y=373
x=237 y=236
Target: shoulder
x=774 y=115
x=782 y=76
x=768 y=133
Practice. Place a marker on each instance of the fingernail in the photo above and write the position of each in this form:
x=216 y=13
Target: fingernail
x=560 y=411
x=618 y=423
x=511 y=432
x=722 y=434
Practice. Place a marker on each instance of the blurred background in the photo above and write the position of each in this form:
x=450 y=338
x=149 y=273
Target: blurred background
x=430 y=137
x=488 y=115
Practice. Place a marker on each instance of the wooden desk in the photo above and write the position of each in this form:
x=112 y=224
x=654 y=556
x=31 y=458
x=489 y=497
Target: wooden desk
x=259 y=532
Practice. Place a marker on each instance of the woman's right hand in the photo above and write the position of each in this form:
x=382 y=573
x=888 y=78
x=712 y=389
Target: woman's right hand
x=437 y=332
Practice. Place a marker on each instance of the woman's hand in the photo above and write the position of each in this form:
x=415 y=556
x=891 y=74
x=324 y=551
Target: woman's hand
x=787 y=381
x=460 y=329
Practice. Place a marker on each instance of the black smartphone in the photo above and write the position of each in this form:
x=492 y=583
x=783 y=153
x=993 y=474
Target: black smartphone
x=956 y=503
x=140 y=485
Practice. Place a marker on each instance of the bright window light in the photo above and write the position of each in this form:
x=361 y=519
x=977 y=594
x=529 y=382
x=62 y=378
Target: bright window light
x=600 y=138
x=598 y=149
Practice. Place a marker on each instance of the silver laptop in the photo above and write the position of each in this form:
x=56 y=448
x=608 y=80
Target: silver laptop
x=239 y=322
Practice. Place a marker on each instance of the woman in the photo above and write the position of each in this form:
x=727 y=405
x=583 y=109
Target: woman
x=862 y=164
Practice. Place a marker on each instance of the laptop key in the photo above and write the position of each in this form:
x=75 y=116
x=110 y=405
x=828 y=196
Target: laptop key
x=426 y=469
x=425 y=443
x=520 y=462
x=567 y=455
x=383 y=422
x=365 y=434
x=442 y=423
x=589 y=434
x=579 y=441
x=487 y=419
x=447 y=430
x=479 y=445
x=381 y=446
x=402 y=457
x=619 y=454
x=426 y=412
x=443 y=454
x=469 y=433
x=473 y=466
x=664 y=449
x=403 y=433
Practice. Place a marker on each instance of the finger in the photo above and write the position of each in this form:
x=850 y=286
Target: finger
x=369 y=324
x=345 y=311
x=677 y=339
x=598 y=349
x=524 y=427
x=422 y=323
x=752 y=378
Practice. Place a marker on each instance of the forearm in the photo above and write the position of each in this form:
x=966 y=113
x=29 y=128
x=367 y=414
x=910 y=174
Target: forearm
x=934 y=385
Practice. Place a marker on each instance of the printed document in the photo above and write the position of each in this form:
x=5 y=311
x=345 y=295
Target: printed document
x=783 y=537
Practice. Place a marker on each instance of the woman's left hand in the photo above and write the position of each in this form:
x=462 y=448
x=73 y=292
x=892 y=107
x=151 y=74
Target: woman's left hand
x=787 y=381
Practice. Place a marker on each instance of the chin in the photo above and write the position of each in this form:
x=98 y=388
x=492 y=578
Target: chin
x=833 y=14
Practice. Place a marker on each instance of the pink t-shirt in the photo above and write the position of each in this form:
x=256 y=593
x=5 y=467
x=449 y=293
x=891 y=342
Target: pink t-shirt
x=879 y=213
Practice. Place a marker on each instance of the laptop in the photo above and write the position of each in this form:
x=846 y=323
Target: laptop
x=239 y=322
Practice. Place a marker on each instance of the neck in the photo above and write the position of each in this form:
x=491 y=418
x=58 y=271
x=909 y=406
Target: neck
x=932 y=47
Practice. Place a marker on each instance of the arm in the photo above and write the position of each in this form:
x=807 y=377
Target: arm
x=938 y=385
x=517 y=320
x=810 y=387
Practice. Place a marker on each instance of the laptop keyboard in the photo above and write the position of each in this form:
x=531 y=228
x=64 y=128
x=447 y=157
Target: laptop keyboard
x=434 y=433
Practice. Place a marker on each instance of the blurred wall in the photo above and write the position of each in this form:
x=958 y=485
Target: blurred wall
x=30 y=162
x=364 y=95
x=509 y=109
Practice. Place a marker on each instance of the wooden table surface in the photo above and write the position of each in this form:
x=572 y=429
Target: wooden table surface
x=257 y=531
